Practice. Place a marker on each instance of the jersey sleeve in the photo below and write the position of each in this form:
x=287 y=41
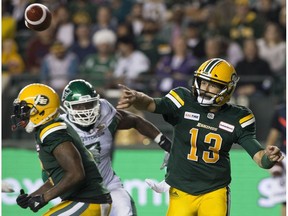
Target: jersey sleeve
x=247 y=132
x=53 y=135
x=107 y=112
x=169 y=105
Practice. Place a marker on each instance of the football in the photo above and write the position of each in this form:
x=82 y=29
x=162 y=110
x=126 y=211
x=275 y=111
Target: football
x=37 y=17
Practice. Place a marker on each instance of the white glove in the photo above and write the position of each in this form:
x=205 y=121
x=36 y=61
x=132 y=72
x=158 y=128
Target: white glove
x=6 y=187
x=165 y=160
x=159 y=187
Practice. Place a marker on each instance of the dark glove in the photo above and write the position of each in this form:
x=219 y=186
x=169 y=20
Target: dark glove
x=36 y=202
x=22 y=199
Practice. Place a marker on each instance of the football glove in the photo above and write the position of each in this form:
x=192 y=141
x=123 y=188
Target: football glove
x=36 y=202
x=160 y=187
x=22 y=199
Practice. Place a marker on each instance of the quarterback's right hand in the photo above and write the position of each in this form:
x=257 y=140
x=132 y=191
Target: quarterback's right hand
x=159 y=187
x=22 y=199
x=128 y=97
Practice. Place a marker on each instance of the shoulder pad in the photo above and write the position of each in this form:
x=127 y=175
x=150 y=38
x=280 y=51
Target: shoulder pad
x=52 y=128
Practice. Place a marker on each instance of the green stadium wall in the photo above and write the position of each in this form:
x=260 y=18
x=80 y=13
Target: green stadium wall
x=21 y=168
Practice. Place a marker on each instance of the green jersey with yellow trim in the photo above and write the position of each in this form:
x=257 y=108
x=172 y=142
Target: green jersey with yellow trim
x=48 y=137
x=199 y=159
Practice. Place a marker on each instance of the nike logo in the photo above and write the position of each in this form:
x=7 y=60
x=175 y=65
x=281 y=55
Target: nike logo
x=36 y=204
x=175 y=194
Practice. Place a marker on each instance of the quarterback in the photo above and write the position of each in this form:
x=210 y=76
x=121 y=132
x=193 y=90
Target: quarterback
x=71 y=170
x=96 y=121
x=205 y=128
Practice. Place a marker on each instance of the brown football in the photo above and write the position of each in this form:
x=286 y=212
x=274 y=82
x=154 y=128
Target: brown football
x=37 y=17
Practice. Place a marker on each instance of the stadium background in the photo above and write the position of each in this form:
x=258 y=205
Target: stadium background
x=135 y=157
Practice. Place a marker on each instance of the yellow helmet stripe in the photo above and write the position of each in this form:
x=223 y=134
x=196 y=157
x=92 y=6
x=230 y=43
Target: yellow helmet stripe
x=175 y=98
x=51 y=128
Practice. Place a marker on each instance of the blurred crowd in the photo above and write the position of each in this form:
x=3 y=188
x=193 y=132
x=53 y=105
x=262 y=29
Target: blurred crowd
x=149 y=45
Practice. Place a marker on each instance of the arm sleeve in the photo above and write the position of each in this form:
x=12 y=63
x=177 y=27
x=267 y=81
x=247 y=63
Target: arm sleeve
x=252 y=146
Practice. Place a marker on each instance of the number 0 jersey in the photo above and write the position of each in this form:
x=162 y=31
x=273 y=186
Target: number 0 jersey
x=48 y=137
x=199 y=159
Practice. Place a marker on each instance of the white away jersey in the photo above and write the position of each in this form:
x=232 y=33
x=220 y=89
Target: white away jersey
x=99 y=140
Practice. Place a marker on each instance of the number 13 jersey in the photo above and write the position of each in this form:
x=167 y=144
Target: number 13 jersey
x=199 y=160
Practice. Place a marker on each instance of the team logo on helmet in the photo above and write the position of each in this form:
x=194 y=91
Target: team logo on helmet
x=42 y=100
x=66 y=93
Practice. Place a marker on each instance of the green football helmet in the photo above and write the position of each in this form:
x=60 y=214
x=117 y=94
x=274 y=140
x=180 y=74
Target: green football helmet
x=81 y=102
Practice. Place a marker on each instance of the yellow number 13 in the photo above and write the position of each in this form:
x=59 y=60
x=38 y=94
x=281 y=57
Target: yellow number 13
x=211 y=156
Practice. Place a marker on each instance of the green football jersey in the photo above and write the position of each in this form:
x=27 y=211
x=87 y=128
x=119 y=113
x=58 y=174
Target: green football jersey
x=199 y=159
x=48 y=137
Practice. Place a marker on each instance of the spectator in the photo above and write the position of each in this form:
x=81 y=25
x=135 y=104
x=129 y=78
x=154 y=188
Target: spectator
x=99 y=66
x=252 y=66
x=245 y=23
x=155 y=10
x=269 y=9
x=131 y=64
x=12 y=62
x=8 y=22
x=59 y=66
x=104 y=20
x=151 y=44
x=175 y=24
x=64 y=26
x=82 y=11
x=272 y=48
x=135 y=18
x=176 y=69
x=215 y=47
x=125 y=30
x=195 y=41
x=223 y=47
x=120 y=9
x=18 y=13
x=37 y=48
x=82 y=46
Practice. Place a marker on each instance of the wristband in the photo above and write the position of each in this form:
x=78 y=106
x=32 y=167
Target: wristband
x=163 y=142
x=158 y=138
x=266 y=163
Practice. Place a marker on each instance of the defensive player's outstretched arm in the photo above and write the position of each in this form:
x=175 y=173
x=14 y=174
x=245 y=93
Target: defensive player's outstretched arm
x=129 y=120
x=268 y=157
x=139 y=100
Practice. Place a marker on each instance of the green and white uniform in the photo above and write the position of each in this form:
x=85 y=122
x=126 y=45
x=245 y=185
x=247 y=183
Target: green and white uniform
x=202 y=140
x=99 y=140
x=48 y=137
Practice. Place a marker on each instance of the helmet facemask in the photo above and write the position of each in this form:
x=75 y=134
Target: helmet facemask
x=84 y=111
x=21 y=115
x=206 y=98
